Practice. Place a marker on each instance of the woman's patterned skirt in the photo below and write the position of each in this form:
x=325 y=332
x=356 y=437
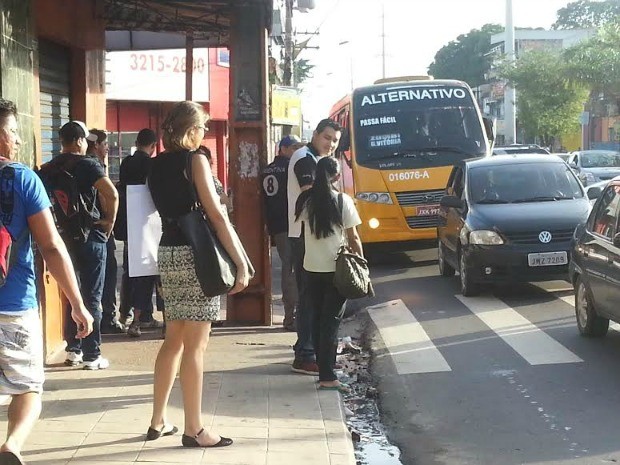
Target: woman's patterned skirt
x=183 y=296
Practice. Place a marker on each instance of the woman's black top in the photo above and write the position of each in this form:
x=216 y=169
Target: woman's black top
x=171 y=192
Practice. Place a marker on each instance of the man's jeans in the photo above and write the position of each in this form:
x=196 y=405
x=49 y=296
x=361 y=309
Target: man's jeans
x=128 y=287
x=304 y=350
x=108 y=301
x=287 y=278
x=328 y=307
x=89 y=261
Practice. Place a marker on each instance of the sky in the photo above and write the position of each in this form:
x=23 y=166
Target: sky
x=415 y=30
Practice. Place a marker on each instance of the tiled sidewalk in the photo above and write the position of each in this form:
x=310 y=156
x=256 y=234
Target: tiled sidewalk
x=275 y=416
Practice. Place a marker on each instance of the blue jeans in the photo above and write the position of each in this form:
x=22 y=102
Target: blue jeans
x=89 y=261
x=304 y=319
x=108 y=300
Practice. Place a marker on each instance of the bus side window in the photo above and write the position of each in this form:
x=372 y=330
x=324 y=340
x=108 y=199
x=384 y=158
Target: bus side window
x=459 y=183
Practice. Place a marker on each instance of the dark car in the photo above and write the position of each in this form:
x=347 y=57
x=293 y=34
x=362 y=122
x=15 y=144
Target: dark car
x=595 y=264
x=518 y=149
x=509 y=218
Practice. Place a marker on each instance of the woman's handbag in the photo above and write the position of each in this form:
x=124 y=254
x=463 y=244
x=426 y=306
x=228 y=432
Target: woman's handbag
x=352 y=276
x=215 y=270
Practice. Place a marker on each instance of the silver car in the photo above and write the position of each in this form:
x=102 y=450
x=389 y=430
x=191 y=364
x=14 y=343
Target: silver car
x=595 y=165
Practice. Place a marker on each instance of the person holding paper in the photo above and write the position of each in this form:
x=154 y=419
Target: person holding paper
x=188 y=312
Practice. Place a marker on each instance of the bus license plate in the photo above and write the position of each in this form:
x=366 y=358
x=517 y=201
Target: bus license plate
x=547 y=259
x=428 y=210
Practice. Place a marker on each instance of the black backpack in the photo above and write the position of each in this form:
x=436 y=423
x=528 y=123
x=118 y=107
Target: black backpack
x=73 y=212
x=9 y=246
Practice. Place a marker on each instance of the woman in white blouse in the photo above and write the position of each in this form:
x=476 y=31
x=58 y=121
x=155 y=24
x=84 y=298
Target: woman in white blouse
x=329 y=219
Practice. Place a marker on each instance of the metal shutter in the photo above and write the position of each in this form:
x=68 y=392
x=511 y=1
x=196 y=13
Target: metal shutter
x=54 y=84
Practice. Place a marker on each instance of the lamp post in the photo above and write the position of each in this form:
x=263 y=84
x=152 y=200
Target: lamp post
x=346 y=42
x=510 y=96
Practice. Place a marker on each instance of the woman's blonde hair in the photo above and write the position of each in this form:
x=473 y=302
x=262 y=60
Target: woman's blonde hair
x=182 y=118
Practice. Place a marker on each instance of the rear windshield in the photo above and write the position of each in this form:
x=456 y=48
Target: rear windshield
x=518 y=150
x=523 y=182
x=600 y=160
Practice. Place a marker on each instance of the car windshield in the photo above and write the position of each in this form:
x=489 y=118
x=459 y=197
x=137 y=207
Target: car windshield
x=523 y=182
x=600 y=159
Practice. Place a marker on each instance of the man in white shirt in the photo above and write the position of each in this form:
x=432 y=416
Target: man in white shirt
x=301 y=170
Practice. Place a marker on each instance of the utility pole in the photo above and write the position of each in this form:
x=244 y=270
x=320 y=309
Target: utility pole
x=510 y=96
x=383 y=39
x=287 y=78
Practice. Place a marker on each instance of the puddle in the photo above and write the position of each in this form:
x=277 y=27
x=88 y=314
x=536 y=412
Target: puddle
x=372 y=446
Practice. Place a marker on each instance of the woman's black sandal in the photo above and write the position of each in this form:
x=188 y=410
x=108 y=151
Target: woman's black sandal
x=189 y=441
x=153 y=433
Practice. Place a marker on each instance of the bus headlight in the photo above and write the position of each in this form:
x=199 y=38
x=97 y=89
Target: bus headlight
x=373 y=223
x=484 y=237
x=375 y=197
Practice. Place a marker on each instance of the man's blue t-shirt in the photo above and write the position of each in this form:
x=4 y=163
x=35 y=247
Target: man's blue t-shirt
x=29 y=197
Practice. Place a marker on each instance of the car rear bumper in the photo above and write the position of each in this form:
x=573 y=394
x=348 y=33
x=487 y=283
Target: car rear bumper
x=505 y=263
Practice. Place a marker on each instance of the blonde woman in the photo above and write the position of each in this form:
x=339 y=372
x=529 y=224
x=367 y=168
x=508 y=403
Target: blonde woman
x=188 y=313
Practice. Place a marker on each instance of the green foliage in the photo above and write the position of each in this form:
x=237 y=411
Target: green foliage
x=302 y=70
x=596 y=62
x=548 y=100
x=586 y=14
x=466 y=57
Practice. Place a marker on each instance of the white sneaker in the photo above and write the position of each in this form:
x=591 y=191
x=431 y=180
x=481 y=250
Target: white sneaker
x=99 y=364
x=73 y=359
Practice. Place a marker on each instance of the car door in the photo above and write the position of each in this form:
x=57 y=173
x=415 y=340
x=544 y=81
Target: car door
x=597 y=248
x=612 y=277
x=454 y=217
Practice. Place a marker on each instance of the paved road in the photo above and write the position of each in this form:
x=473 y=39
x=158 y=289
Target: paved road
x=499 y=379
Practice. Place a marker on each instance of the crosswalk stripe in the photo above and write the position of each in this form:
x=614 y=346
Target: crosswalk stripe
x=569 y=299
x=409 y=345
x=531 y=343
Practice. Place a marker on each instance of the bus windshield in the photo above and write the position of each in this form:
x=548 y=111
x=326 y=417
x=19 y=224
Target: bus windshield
x=417 y=126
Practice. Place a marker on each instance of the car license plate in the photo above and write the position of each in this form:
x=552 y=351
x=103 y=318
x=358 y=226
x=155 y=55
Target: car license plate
x=429 y=210
x=547 y=259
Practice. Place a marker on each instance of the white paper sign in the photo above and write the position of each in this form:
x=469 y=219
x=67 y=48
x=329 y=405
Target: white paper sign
x=143 y=232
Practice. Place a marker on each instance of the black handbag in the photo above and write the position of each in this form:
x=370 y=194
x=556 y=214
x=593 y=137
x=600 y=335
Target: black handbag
x=215 y=270
x=352 y=276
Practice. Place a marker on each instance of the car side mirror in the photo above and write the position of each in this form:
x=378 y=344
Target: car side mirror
x=451 y=201
x=489 y=127
x=573 y=165
x=594 y=193
x=616 y=240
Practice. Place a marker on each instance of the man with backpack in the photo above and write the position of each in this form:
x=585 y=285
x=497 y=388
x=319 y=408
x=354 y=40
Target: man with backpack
x=25 y=215
x=75 y=183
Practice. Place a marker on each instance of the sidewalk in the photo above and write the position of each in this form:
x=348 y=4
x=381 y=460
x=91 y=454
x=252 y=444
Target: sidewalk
x=275 y=417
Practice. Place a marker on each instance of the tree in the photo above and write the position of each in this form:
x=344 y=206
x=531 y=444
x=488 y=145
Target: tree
x=596 y=61
x=302 y=70
x=548 y=100
x=587 y=14
x=466 y=58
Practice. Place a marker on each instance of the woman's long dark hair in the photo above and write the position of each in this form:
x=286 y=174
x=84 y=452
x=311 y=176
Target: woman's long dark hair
x=323 y=211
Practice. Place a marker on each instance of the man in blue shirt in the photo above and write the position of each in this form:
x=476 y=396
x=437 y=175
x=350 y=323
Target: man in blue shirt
x=24 y=205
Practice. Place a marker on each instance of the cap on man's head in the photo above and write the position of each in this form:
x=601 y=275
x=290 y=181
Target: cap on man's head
x=73 y=130
x=287 y=141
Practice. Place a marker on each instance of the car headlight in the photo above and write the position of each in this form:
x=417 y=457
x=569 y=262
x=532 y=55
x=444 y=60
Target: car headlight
x=484 y=237
x=375 y=197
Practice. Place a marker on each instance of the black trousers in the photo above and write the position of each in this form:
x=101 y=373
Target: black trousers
x=108 y=300
x=328 y=307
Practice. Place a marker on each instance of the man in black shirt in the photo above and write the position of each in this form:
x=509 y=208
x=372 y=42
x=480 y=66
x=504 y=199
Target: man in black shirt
x=274 y=181
x=89 y=258
x=136 y=292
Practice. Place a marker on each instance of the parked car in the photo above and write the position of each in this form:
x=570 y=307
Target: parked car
x=595 y=265
x=519 y=149
x=509 y=218
x=595 y=165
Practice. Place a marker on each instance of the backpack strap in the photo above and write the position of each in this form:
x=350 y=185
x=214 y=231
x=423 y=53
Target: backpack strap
x=25 y=232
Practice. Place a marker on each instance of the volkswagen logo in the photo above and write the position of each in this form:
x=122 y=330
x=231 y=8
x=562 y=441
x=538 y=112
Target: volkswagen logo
x=429 y=198
x=545 y=237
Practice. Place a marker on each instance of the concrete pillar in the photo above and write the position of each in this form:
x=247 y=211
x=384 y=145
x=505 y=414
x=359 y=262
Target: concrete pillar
x=248 y=154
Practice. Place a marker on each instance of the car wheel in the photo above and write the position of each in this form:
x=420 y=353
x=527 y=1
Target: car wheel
x=445 y=269
x=468 y=288
x=588 y=322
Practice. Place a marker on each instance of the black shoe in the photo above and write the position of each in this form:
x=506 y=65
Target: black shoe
x=114 y=328
x=189 y=441
x=153 y=433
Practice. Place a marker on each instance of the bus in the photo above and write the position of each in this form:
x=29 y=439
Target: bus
x=400 y=140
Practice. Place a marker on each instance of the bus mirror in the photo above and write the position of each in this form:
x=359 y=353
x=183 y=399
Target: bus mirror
x=345 y=141
x=489 y=127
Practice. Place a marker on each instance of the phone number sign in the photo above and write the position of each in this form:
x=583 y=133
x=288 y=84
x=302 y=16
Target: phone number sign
x=155 y=75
